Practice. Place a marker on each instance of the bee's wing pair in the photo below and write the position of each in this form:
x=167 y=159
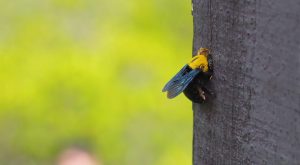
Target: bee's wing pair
x=180 y=81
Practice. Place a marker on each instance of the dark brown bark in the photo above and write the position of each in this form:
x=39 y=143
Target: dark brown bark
x=255 y=117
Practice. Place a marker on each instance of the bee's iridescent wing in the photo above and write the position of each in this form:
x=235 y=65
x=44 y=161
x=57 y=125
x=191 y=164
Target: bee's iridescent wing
x=173 y=81
x=176 y=89
x=180 y=81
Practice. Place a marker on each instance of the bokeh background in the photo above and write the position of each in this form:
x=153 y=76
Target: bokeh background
x=89 y=74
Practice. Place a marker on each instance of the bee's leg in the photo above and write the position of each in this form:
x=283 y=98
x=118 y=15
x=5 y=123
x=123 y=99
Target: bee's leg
x=209 y=74
x=209 y=91
x=192 y=92
x=201 y=93
x=210 y=67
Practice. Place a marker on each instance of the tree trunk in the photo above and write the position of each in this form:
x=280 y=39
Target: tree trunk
x=255 y=117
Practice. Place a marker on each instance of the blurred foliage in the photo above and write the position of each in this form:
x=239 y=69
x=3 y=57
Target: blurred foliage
x=90 y=73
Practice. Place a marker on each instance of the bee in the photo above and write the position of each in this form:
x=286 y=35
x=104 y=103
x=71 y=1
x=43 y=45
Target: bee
x=193 y=79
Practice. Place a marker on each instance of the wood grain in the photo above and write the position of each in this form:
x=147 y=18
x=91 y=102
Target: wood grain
x=255 y=118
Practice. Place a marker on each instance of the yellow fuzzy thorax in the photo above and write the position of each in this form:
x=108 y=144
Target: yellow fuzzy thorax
x=200 y=61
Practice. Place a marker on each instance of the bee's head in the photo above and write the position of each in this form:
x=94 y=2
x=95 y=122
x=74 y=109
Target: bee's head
x=203 y=51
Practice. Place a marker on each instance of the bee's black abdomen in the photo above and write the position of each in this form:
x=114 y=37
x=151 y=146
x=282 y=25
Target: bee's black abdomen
x=193 y=94
x=196 y=90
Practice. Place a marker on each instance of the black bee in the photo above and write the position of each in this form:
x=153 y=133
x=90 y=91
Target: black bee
x=193 y=79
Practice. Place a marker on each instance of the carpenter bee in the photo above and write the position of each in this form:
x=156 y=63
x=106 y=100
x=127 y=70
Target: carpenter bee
x=193 y=79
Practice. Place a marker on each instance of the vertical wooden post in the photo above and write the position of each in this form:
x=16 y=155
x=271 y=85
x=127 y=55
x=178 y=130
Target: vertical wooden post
x=255 y=117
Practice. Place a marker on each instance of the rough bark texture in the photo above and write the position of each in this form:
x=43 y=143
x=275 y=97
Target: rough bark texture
x=255 y=118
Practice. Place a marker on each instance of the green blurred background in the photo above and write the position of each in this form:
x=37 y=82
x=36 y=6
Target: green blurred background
x=89 y=73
